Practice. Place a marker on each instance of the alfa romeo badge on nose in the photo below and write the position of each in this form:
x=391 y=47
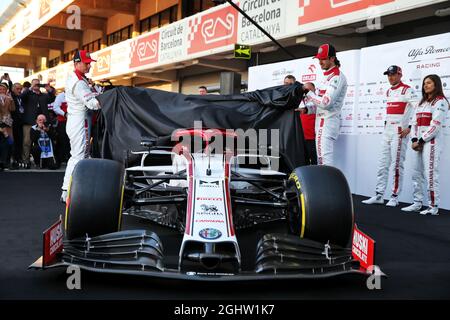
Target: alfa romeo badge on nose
x=210 y=233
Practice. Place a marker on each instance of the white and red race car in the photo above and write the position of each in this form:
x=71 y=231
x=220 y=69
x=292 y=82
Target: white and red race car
x=220 y=217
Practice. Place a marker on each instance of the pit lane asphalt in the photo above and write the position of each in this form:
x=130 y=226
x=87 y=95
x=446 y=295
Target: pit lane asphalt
x=414 y=251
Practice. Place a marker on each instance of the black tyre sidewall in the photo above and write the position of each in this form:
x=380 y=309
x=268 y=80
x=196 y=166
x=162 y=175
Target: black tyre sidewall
x=327 y=202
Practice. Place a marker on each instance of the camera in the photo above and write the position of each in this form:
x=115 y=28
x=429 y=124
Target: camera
x=40 y=85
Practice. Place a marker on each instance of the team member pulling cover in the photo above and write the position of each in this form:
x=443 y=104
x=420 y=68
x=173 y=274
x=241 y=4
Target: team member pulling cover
x=400 y=107
x=80 y=97
x=427 y=143
x=329 y=101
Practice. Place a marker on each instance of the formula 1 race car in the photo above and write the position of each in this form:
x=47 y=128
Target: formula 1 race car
x=207 y=213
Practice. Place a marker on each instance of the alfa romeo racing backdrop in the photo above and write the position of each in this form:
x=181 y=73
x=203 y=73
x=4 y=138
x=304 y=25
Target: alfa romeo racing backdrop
x=363 y=113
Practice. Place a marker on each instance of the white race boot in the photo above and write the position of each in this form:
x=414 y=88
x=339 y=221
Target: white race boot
x=378 y=199
x=415 y=207
x=393 y=202
x=432 y=211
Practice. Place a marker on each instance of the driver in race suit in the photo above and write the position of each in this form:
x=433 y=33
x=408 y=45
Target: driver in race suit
x=328 y=101
x=80 y=97
x=427 y=141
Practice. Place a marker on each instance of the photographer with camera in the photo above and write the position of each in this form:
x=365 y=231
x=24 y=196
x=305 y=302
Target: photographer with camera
x=35 y=103
x=42 y=136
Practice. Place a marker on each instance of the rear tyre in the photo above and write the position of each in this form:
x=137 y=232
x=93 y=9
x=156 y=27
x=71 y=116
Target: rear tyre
x=94 y=201
x=321 y=206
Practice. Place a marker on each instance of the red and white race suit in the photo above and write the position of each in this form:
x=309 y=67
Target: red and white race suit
x=329 y=101
x=400 y=108
x=426 y=127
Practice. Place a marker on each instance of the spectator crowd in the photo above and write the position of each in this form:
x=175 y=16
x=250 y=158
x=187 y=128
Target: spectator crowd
x=32 y=126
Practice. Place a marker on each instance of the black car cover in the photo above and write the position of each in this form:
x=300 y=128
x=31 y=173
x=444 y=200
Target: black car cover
x=131 y=114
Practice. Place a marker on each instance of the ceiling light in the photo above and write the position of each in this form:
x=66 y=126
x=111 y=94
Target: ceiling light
x=229 y=56
x=301 y=40
x=365 y=29
x=269 y=49
x=179 y=66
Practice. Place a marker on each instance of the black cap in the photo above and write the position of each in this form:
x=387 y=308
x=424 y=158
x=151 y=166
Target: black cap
x=393 y=70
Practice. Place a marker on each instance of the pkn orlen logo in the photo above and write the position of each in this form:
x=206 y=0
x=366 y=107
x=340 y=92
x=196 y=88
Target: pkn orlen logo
x=210 y=234
x=311 y=76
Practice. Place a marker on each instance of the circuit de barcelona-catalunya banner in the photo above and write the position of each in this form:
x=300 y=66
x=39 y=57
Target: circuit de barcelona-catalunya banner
x=362 y=117
x=213 y=31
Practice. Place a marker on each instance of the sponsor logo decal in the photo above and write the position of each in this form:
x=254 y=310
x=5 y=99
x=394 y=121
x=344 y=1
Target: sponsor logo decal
x=209 y=221
x=209 y=209
x=209 y=199
x=210 y=234
x=144 y=50
x=416 y=53
x=44 y=7
x=53 y=242
x=313 y=11
x=309 y=77
x=103 y=64
x=26 y=21
x=209 y=184
x=12 y=33
x=212 y=30
x=363 y=248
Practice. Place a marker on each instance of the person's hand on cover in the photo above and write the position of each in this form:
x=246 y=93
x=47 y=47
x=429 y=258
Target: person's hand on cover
x=308 y=87
x=404 y=133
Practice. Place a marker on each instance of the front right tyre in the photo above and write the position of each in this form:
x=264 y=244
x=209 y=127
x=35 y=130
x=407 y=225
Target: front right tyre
x=320 y=205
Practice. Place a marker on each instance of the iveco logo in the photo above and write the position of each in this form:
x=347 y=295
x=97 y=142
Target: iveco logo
x=210 y=234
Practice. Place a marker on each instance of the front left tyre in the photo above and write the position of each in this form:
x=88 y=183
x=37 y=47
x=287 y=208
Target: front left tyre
x=94 y=201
